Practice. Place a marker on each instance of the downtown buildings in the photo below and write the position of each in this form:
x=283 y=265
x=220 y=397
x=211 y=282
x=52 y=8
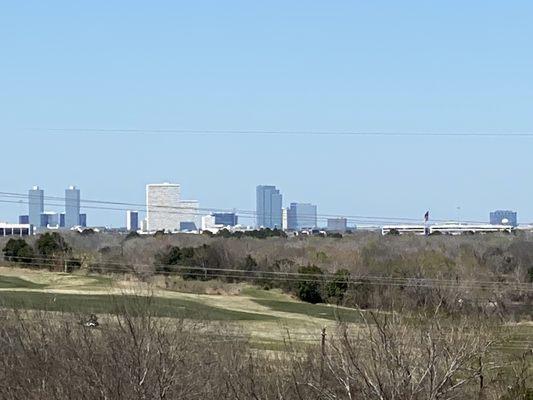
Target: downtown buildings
x=39 y=219
x=271 y=214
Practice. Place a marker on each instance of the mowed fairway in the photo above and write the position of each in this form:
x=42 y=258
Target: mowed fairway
x=265 y=316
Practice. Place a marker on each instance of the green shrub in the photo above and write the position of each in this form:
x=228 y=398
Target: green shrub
x=309 y=287
x=17 y=250
x=50 y=245
x=337 y=287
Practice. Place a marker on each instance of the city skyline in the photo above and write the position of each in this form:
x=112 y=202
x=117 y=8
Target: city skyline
x=275 y=72
x=191 y=213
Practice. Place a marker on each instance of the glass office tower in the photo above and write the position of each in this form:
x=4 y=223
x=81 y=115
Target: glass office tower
x=72 y=207
x=301 y=216
x=35 y=205
x=268 y=207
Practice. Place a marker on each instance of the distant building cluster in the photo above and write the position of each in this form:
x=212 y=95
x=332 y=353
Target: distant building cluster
x=499 y=221
x=270 y=212
x=167 y=212
x=39 y=219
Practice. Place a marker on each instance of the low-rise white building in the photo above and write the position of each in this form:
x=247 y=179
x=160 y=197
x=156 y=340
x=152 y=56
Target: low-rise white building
x=7 y=229
x=208 y=224
x=337 y=224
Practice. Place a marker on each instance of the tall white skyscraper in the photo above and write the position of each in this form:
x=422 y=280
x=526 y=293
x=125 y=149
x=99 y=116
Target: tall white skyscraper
x=162 y=207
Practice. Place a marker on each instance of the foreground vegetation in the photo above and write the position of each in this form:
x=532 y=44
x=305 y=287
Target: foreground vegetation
x=194 y=317
x=143 y=357
x=364 y=270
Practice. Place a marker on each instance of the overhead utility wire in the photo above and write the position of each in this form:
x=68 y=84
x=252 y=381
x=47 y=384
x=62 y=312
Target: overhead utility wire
x=144 y=205
x=193 y=211
x=250 y=132
x=240 y=212
x=203 y=272
x=46 y=261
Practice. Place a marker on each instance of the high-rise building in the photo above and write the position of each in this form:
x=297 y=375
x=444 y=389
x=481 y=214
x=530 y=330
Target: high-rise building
x=268 y=207
x=503 y=217
x=337 y=224
x=35 y=205
x=226 y=219
x=132 y=220
x=162 y=207
x=301 y=216
x=83 y=220
x=72 y=207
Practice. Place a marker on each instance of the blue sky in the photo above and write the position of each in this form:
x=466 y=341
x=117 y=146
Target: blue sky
x=411 y=66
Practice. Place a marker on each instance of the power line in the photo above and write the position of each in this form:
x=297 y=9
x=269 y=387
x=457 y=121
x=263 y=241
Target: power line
x=253 y=216
x=200 y=272
x=250 y=214
x=250 y=132
x=290 y=276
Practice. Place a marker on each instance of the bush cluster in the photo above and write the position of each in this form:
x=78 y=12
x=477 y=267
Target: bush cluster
x=49 y=251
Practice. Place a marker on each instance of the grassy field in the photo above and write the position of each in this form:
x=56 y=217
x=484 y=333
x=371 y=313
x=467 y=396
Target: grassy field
x=312 y=310
x=111 y=304
x=14 y=282
x=266 y=316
